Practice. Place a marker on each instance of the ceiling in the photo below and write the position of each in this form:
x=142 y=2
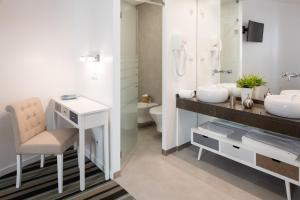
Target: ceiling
x=137 y=2
x=133 y=2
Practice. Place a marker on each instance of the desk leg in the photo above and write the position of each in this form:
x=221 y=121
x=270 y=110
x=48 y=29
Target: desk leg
x=106 y=149
x=81 y=158
x=54 y=120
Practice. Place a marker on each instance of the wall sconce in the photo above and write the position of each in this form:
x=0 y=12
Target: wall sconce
x=90 y=59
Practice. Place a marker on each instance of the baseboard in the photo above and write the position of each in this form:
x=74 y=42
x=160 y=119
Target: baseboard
x=169 y=151
x=146 y=124
x=12 y=167
x=174 y=149
x=183 y=146
x=116 y=174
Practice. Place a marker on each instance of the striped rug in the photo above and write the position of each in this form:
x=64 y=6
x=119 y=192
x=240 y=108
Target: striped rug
x=41 y=183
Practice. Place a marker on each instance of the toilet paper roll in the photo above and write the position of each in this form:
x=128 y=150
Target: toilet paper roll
x=187 y=94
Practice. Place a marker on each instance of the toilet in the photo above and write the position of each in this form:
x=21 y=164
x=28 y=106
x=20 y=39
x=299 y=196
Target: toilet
x=156 y=113
x=143 y=114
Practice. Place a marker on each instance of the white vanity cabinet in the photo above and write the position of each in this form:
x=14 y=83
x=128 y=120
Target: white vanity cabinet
x=210 y=137
x=237 y=152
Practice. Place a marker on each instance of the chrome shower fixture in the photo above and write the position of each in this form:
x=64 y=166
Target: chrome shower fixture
x=289 y=76
x=215 y=71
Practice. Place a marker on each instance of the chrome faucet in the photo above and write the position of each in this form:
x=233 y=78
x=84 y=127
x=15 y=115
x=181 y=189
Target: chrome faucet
x=215 y=71
x=289 y=76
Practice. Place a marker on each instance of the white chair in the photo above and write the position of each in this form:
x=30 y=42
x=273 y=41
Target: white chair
x=31 y=136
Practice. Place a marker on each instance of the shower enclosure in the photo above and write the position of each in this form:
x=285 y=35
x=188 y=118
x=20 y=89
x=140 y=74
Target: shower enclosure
x=130 y=73
x=129 y=79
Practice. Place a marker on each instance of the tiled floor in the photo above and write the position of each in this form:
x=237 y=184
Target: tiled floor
x=150 y=175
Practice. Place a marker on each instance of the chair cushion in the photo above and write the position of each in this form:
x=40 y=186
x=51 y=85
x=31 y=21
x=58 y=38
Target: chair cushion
x=50 y=142
x=29 y=119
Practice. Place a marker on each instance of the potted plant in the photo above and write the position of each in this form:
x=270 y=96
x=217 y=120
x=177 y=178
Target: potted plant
x=248 y=83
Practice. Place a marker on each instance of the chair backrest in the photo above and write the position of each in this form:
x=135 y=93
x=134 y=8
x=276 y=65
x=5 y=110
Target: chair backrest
x=28 y=119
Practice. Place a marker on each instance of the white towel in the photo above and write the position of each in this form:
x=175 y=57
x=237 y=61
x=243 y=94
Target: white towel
x=274 y=143
x=187 y=94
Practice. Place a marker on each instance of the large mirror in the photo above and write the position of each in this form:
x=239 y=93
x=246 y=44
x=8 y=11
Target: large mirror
x=231 y=37
x=269 y=44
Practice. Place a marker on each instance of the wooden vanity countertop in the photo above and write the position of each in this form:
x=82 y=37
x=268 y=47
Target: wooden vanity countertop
x=255 y=117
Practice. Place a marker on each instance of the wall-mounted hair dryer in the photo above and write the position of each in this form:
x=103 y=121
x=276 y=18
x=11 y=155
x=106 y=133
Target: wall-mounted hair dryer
x=179 y=49
x=216 y=49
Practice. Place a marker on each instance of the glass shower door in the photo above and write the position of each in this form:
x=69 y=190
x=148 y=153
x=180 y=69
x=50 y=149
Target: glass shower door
x=129 y=80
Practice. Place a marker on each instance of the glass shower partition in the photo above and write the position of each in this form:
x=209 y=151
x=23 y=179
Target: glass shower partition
x=129 y=79
x=129 y=100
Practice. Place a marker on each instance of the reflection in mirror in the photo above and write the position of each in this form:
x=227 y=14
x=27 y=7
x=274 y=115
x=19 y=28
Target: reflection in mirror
x=276 y=58
x=231 y=37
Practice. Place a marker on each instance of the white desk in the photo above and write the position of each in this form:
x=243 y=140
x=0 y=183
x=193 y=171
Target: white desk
x=84 y=114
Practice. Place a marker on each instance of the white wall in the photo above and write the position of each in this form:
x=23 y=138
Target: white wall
x=100 y=81
x=41 y=42
x=150 y=51
x=181 y=18
x=279 y=51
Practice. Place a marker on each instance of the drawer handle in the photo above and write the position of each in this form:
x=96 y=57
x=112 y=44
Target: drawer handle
x=236 y=147
x=204 y=136
x=276 y=160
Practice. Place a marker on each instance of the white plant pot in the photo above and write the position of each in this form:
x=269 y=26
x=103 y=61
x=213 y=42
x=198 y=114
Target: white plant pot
x=245 y=92
x=260 y=92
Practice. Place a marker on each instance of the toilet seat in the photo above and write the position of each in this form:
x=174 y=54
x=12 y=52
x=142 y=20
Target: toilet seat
x=143 y=112
x=142 y=105
x=156 y=110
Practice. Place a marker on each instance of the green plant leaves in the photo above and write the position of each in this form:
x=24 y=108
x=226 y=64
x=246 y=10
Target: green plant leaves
x=250 y=81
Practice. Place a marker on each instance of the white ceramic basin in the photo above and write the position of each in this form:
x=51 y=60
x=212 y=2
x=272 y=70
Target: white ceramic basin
x=212 y=94
x=290 y=92
x=232 y=89
x=283 y=105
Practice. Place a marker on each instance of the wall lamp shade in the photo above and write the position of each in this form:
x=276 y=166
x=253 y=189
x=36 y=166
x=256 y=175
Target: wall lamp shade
x=90 y=59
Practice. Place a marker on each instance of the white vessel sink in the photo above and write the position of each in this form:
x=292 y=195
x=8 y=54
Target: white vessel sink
x=290 y=92
x=212 y=94
x=283 y=105
x=232 y=89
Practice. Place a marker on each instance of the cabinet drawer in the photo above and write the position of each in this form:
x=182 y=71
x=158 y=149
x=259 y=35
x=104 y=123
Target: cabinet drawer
x=237 y=152
x=278 y=167
x=57 y=107
x=65 y=112
x=206 y=141
x=74 y=117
